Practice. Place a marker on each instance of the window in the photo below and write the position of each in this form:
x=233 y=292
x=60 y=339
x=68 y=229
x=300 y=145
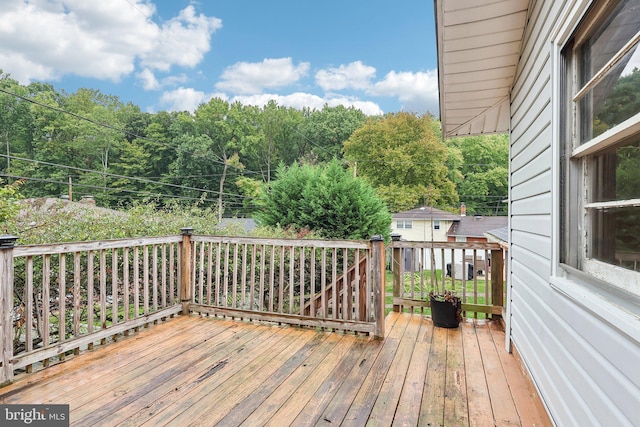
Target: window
x=600 y=152
x=436 y=225
x=404 y=224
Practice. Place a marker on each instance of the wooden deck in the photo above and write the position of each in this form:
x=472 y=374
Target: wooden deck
x=208 y=371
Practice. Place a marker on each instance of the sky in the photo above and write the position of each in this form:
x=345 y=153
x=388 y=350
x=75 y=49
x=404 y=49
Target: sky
x=172 y=55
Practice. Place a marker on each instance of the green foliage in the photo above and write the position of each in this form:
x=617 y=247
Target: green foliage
x=44 y=221
x=222 y=153
x=485 y=174
x=9 y=207
x=326 y=200
x=622 y=103
x=403 y=152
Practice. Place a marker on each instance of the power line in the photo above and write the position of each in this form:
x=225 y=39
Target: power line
x=105 y=125
x=148 y=181
x=109 y=189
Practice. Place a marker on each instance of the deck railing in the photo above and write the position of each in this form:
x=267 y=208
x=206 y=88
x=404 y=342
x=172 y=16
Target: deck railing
x=58 y=299
x=473 y=271
x=65 y=297
x=316 y=283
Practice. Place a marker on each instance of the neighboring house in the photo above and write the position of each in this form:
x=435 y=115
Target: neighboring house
x=547 y=72
x=425 y=224
x=474 y=228
x=428 y=224
x=239 y=225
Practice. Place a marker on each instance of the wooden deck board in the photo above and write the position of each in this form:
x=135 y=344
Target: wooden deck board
x=205 y=371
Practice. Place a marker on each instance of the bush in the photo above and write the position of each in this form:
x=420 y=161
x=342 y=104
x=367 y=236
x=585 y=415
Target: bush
x=327 y=200
x=43 y=221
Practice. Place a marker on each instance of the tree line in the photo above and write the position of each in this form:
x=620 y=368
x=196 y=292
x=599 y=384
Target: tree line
x=224 y=155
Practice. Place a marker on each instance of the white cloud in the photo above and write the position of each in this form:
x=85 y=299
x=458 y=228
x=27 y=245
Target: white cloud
x=46 y=39
x=355 y=75
x=149 y=81
x=418 y=92
x=300 y=100
x=253 y=77
x=182 y=41
x=185 y=99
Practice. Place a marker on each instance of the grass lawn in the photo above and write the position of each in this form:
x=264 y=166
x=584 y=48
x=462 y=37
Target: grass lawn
x=454 y=285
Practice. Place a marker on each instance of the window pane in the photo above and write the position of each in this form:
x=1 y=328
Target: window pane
x=616 y=236
x=620 y=26
x=617 y=96
x=617 y=173
x=613 y=100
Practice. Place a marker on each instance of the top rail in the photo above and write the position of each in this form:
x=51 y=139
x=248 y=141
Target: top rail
x=473 y=271
x=60 y=248
x=297 y=243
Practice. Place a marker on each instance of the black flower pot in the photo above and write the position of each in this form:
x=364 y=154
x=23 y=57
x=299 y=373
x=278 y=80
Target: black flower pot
x=446 y=314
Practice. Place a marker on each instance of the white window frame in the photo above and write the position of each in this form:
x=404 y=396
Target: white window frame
x=405 y=224
x=436 y=224
x=611 y=276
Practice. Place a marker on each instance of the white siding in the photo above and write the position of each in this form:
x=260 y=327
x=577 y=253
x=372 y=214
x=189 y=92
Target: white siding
x=588 y=372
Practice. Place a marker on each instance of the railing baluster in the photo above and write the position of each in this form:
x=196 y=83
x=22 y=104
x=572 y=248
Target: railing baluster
x=234 y=289
x=312 y=283
x=90 y=291
x=154 y=277
x=226 y=275
x=218 y=258
x=172 y=272
x=262 y=277
x=46 y=302
x=323 y=286
x=334 y=279
x=281 y=287
x=77 y=296
x=346 y=303
x=145 y=280
x=62 y=296
x=136 y=281
x=291 y=277
x=200 y=297
x=302 y=290
x=243 y=281
x=252 y=284
x=272 y=272
x=28 y=308
x=127 y=286
x=163 y=275
x=209 y=272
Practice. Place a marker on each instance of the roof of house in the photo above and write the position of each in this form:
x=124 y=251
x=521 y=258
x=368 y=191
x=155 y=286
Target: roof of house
x=501 y=233
x=246 y=225
x=478 y=51
x=476 y=226
x=426 y=213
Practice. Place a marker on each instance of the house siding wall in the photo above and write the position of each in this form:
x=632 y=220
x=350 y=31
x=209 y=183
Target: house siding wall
x=421 y=230
x=586 y=370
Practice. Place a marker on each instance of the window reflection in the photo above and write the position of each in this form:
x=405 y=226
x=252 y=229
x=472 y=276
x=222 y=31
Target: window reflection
x=618 y=173
x=617 y=236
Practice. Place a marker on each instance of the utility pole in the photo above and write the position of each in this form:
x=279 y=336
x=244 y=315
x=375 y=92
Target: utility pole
x=70 y=190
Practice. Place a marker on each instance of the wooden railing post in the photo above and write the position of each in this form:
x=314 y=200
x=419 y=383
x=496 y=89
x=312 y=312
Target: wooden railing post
x=378 y=279
x=397 y=266
x=497 y=280
x=185 y=269
x=7 y=242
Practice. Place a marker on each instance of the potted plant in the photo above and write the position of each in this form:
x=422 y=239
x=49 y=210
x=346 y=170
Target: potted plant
x=446 y=309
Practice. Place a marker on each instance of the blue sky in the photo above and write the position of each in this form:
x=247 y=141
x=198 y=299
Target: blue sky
x=379 y=56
